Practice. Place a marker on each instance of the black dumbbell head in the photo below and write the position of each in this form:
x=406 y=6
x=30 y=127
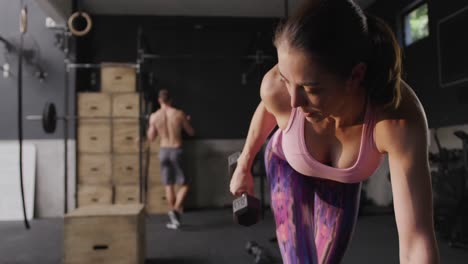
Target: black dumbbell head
x=246 y=210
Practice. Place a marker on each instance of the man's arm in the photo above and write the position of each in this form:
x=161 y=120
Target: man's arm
x=152 y=133
x=186 y=125
x=406 y=143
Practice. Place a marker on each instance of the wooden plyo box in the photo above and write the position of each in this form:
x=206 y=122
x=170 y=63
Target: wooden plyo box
x=127 y=194
x=125 y=105
x=154 y=169
x=94 y=136
x=105 y=234
x=126 y=169
x=125 y=138
x=94 y=169
x=94 y=104
x=118 y=78
x=156 y=202
x=94 y=195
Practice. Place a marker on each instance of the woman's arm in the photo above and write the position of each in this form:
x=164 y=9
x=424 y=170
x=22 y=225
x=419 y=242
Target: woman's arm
x=270 y=112
x=406 y=142
x=261 y=125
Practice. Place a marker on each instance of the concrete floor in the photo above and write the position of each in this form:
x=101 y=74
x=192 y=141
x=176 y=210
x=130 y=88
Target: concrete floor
x=208 y=237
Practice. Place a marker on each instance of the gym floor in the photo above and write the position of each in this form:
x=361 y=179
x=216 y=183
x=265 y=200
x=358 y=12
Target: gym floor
x=209 y=236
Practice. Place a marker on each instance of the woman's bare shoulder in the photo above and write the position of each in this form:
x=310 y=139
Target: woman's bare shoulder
x=275 y=95
x=410 y=108
x=408 y=117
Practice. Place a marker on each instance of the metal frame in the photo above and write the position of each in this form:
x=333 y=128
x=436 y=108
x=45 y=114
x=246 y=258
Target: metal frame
x=258 y=56
x=65 y=140
x=139 y=62
x=71 y=65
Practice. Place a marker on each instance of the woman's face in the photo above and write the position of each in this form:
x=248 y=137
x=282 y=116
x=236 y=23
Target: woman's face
x=315 y=91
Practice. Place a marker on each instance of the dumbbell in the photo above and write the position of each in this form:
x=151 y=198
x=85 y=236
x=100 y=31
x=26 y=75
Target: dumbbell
x=246 y=208
x=260 y=254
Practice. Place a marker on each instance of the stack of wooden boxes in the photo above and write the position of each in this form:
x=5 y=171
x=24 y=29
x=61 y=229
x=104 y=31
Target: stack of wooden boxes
x=108 y=146
x=109 y=224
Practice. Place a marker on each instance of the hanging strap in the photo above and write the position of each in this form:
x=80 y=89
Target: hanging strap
x=23 y=29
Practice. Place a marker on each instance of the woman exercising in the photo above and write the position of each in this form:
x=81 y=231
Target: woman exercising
x=337 y=97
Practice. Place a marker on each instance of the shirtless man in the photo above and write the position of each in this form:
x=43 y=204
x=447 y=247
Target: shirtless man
x=168 y=122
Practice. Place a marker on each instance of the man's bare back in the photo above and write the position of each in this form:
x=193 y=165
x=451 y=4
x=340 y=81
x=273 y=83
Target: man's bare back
x=168 y=122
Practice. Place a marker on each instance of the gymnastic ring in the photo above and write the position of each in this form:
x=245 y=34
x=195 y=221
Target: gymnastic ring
x=83 y=32
x=23 y=20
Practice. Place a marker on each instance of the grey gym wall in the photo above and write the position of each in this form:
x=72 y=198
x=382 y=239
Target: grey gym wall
x=49 y=174
x=58 y=10
x=445 y=106
x=35 y=93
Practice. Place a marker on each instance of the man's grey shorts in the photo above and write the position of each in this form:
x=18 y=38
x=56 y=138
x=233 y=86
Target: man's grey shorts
x=171 y=166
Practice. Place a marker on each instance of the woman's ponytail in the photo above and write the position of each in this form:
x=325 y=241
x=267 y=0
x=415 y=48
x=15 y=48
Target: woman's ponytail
x=384 y=65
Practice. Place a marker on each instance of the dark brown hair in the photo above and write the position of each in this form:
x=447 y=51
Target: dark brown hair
x=339 y=35
x=164 y=96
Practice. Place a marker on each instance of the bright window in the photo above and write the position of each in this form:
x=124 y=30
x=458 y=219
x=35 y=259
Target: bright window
x=416 y=24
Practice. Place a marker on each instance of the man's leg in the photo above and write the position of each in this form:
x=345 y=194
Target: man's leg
x=181 y=180
x=181 y=194
x=168 y=181
x=170 y=197
x=173 y=214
